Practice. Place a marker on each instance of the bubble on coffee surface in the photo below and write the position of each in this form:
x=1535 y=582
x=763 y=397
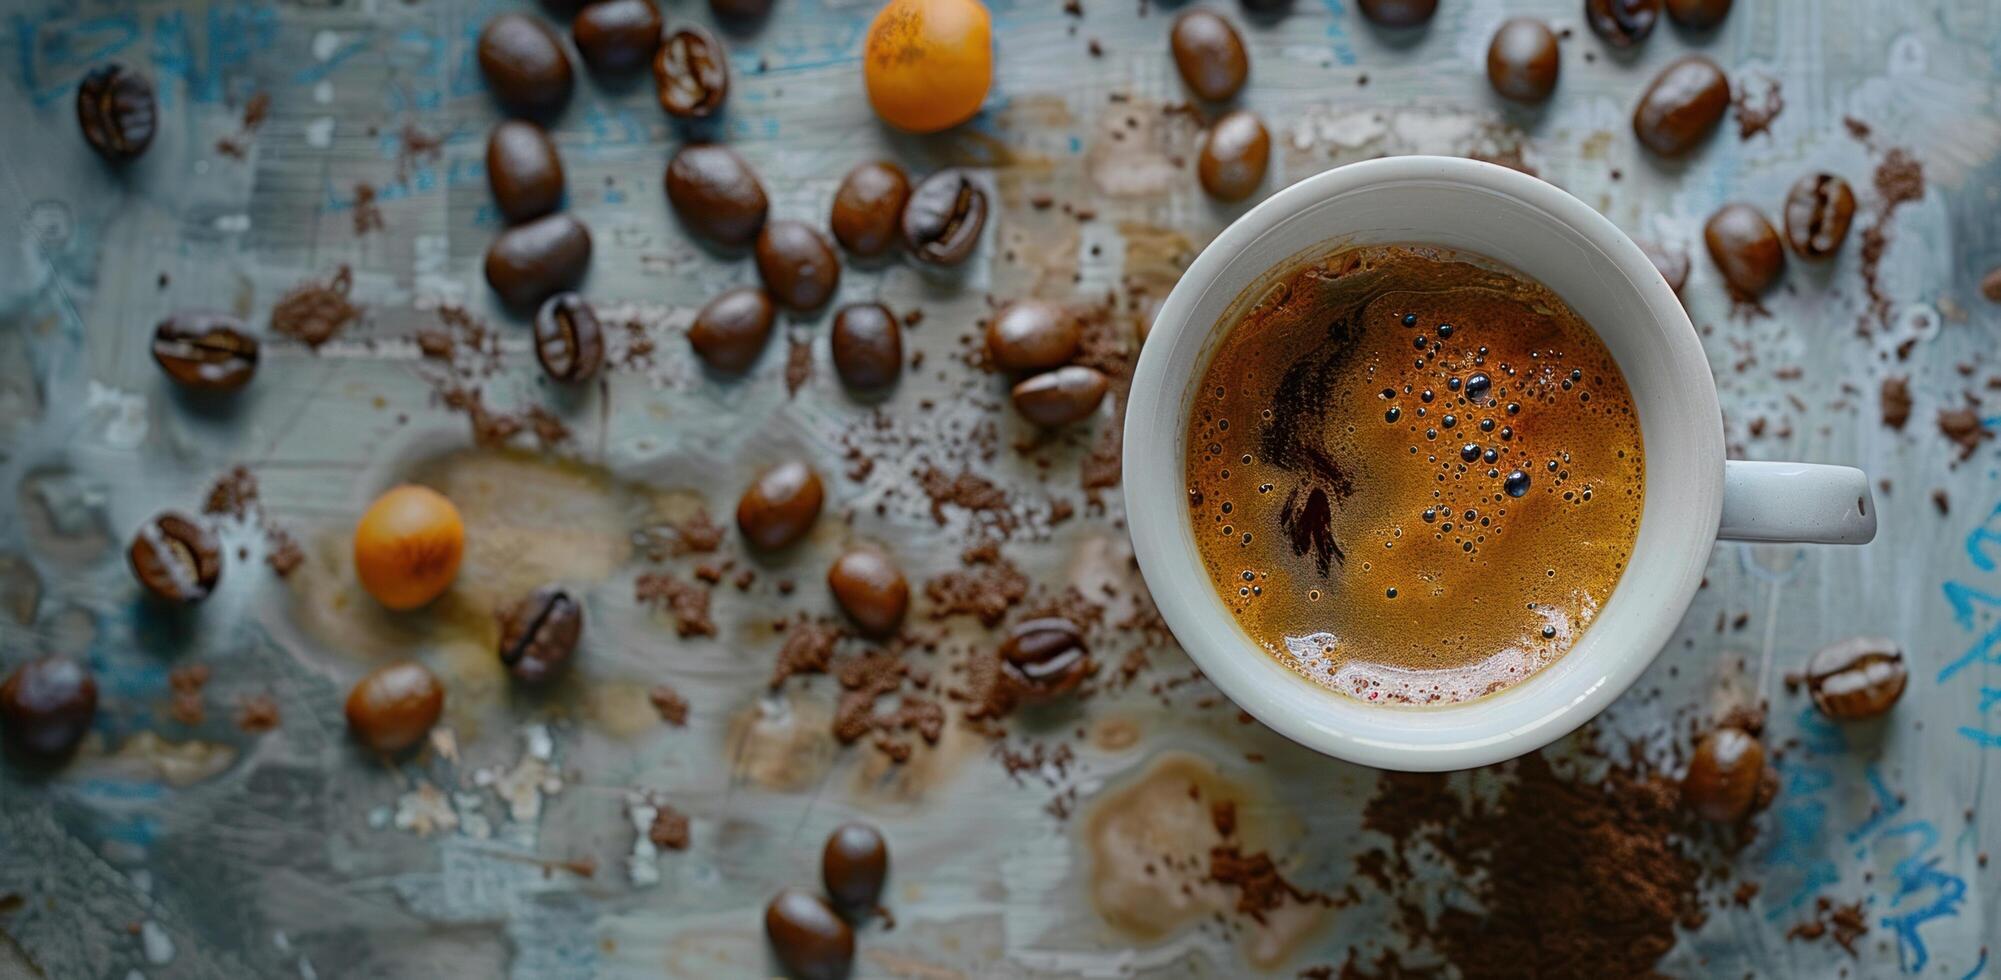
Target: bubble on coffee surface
x=1391 y=526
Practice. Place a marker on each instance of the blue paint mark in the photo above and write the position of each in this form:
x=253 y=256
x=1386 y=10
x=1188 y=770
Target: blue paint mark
x=1979 y=967
x=1962 y=597
x=1917 y=875
x=1076 y=144
x=232 y=34
x=321 y=71
x=49 y=49
x=1887 y=806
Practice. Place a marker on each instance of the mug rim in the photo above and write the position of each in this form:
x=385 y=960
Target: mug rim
x=1155 y=424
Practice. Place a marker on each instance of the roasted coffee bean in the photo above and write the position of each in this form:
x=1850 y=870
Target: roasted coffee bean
x=716 y=194
x=394 y=707
x=1398 y=13
x=1682 y=106
x=854 y=865
x=524 y=170
x=1522 y=60
x=1673 y=266
x=1622 y=23
x=868 y=346
x=1818 y=212
x=797 y=264
x=568 y=341
x=871 y=589
x=1234 y=155
x=539 y=633
x=528 y=263
x=1857 y=678
x=617 y=37
x=1209 y=54
x=1060 y=397
x=810 y=939
x=867 y=207
x=691 y=74
x=731 y=330
x=205 y=351
x=1045 y=658
x=943 y=218
x=1727 y=779
x=1266 y=9
x=175 y=558
x=524 y=65
x=780 y=506
x=46 y=707
x=1032 y=335
x=1745 y=248
x=1698 y=14
x=115 y=107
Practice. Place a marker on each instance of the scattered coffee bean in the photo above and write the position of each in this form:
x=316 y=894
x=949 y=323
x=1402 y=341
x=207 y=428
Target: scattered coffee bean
x=867 y=206
x=1045 y=658
x=1209 y=54
x=175 y=558
x=524 y=65
x=46 y=707
x=528 y=263
x=1682 y=106
x=1234 y=155
x=1698 y=14
x=1057 y=398
x=524 y=170
x=943 y=218
x=797 y=264
x=1398 y=13
x=1857 y=678
x=868 y=346
x=870 y=588
x=568 y=341
x=811 y=941
x=205 y=351
x=1622 y=23
x=1032 y=335
x=1818 y=212
x=1990 y=285
x=1726 y=776
x=854 y=865
x=1745 y=248
x=716 y=194
x=739 y=14
x=1673 y=266
x=617 y=37
x=539 y=633
x=1522 y=60
x=115 y=107
x=780 y=506
x=730 y=331
x=394 y=707
x=691 y=74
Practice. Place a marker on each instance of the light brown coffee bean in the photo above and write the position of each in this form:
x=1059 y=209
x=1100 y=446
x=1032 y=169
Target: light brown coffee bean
x=780 y=506
x=868 y=207
x=205 y=351
x=1045 y=658
x=871 y=589
x=731 y=330
x=1857 y=678
x=1682 y=106
x=1818 y=211
x=1060 y=397
x=1209 y=54
x=394 y=707
x=176 y=558
x=1234 y=156
x=1726 y=776
x=1745 y=248
x=1523 y=61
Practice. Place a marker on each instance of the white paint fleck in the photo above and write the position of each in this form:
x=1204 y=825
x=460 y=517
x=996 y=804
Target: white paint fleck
x=323 y=93
x=540 y=745
x=232 y=224
x=523 y=786
x=642 y=866
x=325 y=45
x=158 y=945
x=472 y=816
x=319 y=132
x=431 y=259
x=124 y=415
x=142 y=881
x=134 y=975
x=378 y=818
x=424 y=810
x=281 y=942
x=306 y=971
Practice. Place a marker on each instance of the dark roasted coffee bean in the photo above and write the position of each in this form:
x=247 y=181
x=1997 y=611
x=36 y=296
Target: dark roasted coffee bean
x=568 y=341
x=205 y=351
x=1698 y=14
x=1060 y=397
x=1673 y=266
x=539 y=633
x=524 y=170
x=524 y=65
x=1727 y=779
x=716 y=194
x=1682 y=106
x=1745 y=248
x=175 y=558
x=780 y=506
x=1818 y=212
x=730 y=331
x=797 y=264
x=739 y=14
x=810 y=939
x=1266 y=9
x=1398 y=13
x=867 y=207
x=871 y=589
x=1032 y=335
x=617 y=37
x=1857 y=678
x=1522 y=60
x=1234 y=155
x=115 y=107
x=854 y=865
x=1622 y=23
x=942 y=220
x=46 y=707
x=868 y=346
x=528 y=263
x=1209 y=54
x=691 y=74
x=394 y=707
x=1045 y=658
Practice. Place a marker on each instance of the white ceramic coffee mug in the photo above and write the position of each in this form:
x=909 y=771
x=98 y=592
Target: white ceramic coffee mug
x=1693 y=495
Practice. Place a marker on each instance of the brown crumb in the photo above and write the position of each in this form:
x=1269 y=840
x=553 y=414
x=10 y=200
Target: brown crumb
x=367 y=214
x=798 y=364
x=672 y=706
x=686 y=602
x=808 y=648
x=669 y=831
x=1942 y=502
x=1896 y=399
x=1962 y=426
x=1260 y=888
x=313 y=312
x=187 y=682
x=985 y=591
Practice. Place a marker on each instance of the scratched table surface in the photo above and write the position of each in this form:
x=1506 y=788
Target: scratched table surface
x=515 y=843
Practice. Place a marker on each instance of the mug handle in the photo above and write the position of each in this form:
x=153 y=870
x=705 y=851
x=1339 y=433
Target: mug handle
x=1804 y=502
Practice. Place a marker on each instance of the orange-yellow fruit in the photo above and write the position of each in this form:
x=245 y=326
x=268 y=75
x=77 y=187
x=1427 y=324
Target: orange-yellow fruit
x=407 y=547
x=928 y=63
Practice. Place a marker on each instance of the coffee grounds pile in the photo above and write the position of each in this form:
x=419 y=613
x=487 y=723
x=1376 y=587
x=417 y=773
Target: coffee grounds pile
x=687 y=602
x=1844 y=923
x=235 y=495
x=314 y=312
